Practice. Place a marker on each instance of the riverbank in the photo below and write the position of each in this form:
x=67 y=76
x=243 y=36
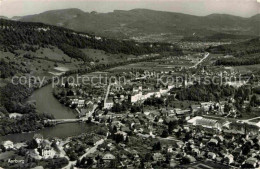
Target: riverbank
x=47 y=103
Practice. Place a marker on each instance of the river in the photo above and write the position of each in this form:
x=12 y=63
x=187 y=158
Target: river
x=46 y=102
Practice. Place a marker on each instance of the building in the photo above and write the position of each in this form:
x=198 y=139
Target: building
x=137 y=89
x=136 y=97
x=208 y=123
x=206 y=105
x=212 y=155
x=81 y=103
x=108 y=157
x=48 y=152
x=15 y=115
x=74 y=101
x=251 y=162
x=108 y=103
x=229 y=158
x=8 y=144
x=195 y=108
x=45 y=150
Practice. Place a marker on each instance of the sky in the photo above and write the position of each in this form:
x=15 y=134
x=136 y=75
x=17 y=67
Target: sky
x=244 y=8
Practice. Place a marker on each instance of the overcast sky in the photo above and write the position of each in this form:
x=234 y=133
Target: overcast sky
x=245 y=8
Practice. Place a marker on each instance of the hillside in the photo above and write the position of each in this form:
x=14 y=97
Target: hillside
x=243 y=53
x=40 y=49
x=38 y=52
x=144 y=22
x=14 y=34
x=238 y=49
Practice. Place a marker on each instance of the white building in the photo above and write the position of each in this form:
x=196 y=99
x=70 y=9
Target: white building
x=206 y=105
x=137 y=89
x=108 y=103
x=8 y=144
x=163 y=91
x=81 y=103
x=136 y=97
x=74 y=101
x=48 y=152
x=208 y=123
x=15 y=115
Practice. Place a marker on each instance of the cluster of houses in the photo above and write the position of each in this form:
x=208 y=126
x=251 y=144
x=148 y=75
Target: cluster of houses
x=138 y=94
x=224 y=148
x=206 y=141
x=200 y=45
x=44 y=149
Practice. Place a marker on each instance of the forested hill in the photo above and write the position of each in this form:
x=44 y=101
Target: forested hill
x=244 y=53
x=13 y=34
x=144 y=21
x=238 y=49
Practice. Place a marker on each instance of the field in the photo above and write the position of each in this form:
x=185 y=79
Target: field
x=44 y=62
x=242 y=69
x=165 y=64
x=102 y=57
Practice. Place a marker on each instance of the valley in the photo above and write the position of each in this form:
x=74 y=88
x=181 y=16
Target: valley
x=129 y=89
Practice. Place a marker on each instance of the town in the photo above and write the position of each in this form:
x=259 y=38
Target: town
x=146 y=123
x=129 y=84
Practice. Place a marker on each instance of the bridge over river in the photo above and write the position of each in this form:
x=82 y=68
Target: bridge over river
x=61 y=121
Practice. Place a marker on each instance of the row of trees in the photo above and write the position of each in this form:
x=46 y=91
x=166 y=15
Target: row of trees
x=238 y=61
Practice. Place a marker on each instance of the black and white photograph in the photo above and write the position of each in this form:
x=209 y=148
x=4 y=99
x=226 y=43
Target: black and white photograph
x=129 y=84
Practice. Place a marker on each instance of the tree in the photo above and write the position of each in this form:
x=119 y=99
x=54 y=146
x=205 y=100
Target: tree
x=248 y=108
x=227 y=108
x=157 y=146
x=32 y=144
x=165 y=133
x=66 y=84
x=89 y=161
x=253 y=101
x=185 y=160
x=148 y=157
x=246 y=149
x=118 y=138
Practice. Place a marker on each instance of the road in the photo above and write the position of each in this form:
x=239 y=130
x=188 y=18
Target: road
x=247 y=120
x=88 y=151
x=199 y=62
x=92 y=149
x=235 y=120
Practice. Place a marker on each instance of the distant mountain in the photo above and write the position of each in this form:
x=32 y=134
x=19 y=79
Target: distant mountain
x=255 y=17
x=16 y=18
x=3 y=17
x=140 y=22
